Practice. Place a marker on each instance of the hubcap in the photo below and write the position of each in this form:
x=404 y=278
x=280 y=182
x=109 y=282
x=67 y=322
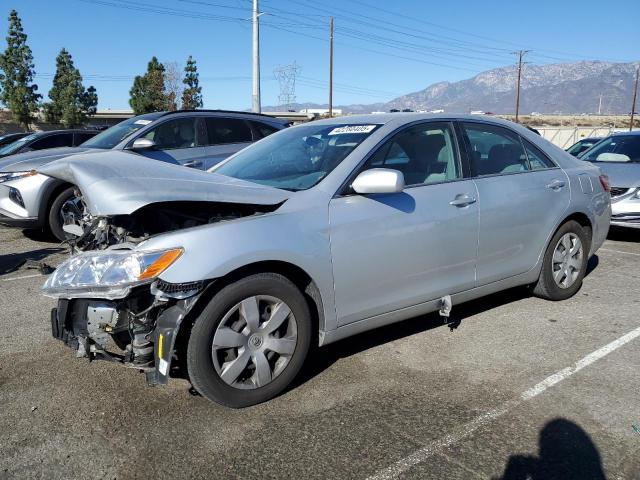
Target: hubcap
x=567 y=260
x=254 y=342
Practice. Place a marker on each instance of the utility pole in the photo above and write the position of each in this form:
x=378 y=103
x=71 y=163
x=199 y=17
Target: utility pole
x=256 y=107
x=330 y=67
x=600 y=105
x=635 y=93
x=520 y=53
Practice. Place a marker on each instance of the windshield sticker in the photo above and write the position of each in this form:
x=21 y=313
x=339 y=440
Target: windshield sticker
x=142 y=122
x=352 y=129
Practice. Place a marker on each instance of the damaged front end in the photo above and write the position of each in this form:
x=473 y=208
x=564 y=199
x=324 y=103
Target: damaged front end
x=111 y=306
x=156 y=218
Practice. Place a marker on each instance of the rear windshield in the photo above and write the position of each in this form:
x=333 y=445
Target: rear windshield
x=616 y=149
x=296 y=158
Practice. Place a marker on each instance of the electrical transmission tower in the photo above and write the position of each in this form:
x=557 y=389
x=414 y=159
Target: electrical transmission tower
x=286 y=76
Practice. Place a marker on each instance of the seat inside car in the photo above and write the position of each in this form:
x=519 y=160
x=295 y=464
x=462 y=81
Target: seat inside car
x=503 y=158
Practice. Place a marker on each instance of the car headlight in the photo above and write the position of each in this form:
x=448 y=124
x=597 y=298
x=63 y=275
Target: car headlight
x=108 y=274
x=6 y=176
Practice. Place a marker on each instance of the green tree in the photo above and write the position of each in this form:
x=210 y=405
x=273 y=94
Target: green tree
x=148 y=93
x=70 y=102
x=18 y=91
x=192 y=93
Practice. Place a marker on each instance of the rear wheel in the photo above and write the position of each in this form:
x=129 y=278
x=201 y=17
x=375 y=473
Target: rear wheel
x=564 y=264
x=250 y=341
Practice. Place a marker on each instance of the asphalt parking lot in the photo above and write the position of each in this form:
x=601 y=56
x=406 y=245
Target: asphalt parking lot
x=518 y=388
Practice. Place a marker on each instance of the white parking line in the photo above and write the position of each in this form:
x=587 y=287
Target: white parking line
x=22 y=277
x=619 y=251
x=430 y=449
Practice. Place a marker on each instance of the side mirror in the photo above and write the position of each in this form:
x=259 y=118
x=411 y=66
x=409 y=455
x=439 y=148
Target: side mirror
x=379 y=180
x=143 y=144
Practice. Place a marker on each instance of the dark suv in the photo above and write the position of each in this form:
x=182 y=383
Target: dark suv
x=44 y=140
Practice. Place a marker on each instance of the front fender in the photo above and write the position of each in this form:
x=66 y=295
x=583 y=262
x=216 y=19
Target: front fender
x=300 y=238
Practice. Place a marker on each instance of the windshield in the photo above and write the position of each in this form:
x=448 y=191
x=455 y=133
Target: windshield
x=618 y=148
x=114 y=135
x=13 y=147
x=581 y=146
x=296 y=158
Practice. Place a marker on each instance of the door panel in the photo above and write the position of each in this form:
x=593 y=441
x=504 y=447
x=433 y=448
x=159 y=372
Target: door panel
x=195 y=157
x=396 y=250
x=217 y=153
x=517 y=215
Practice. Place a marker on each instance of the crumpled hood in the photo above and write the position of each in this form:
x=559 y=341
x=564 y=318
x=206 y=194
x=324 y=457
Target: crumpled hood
x=621 y=175
x=21 y=162
x=119 y=183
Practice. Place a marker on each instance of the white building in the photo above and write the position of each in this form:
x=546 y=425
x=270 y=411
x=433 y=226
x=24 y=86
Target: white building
x=321 y=111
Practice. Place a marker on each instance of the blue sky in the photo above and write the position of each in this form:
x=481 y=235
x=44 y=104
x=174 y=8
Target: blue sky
x=382 y=49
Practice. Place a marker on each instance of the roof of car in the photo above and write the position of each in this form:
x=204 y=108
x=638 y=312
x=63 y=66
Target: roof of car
x=405 y=117
x=69 y=130
x=234 y=112
x=619 y=134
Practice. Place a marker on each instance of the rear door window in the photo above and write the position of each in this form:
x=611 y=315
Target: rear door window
x=228 y=130
x=537 y=159
x=263 y=129
x=53 y=141
x=495 y=150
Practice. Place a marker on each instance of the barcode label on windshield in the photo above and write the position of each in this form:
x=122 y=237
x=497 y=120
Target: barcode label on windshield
x=352 y=129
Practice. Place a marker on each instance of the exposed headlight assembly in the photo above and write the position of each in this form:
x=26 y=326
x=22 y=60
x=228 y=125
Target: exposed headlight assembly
x=6 y=176
x=108 y=274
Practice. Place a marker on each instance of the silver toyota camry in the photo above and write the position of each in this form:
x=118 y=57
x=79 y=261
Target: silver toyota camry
x=314 y=234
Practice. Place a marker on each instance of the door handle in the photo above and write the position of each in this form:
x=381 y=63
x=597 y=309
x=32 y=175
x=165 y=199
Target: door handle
x=462 y=200
x=556 y=185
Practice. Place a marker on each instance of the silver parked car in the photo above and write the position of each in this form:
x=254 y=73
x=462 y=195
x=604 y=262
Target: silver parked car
x=618 y=156
x=198 y=139
x=314 y=234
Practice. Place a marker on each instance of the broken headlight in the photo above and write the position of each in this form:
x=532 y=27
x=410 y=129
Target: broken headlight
x=108 y=274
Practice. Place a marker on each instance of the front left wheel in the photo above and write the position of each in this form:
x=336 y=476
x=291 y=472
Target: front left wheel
x=250 y=341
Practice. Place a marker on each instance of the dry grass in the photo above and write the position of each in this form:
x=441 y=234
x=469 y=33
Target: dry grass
x=619 y=121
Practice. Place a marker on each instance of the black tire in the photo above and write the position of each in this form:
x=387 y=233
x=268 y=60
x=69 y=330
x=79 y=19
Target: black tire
x=201 y=370
x=546 y=287
x=54 y=220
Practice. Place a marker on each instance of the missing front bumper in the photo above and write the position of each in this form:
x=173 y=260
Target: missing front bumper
x=145 y=341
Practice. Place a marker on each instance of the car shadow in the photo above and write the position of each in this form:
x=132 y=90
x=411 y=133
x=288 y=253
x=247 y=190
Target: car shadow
x=39 y=235
x=592 y=264
x=13 y=261
x=565 y=452
x=624 y=234
x=320 y=359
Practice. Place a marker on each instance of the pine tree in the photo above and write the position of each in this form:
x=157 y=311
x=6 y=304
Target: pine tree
x=70 y=102
x=18 y=93
x=192 y=94
x=147 y=93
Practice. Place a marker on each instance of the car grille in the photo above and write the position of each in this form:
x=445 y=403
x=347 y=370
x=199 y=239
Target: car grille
x=617 y=191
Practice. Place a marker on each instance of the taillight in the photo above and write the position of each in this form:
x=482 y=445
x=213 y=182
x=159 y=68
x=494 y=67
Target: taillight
x=604 y=181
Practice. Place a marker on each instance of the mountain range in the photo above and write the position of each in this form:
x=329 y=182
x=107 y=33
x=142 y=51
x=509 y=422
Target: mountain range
x=561 y=88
